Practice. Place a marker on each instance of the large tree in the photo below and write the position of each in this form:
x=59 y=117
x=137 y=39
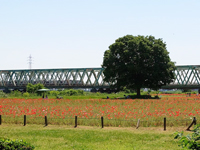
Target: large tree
x=137 y=62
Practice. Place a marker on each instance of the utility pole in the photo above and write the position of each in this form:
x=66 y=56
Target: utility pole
x=30 y=59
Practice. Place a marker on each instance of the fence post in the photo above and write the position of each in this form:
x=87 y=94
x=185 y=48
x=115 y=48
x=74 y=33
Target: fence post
x=0 y=119
x=24 y=120
x=46 y=121
x=75 y=122
x=194 y=121
x=102 y=121
x=138 y=123
x=165 y=124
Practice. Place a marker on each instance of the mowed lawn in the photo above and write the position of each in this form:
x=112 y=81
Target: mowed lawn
x=56 y=137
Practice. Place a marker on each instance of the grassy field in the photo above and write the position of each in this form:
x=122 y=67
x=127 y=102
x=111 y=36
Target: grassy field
x=120 y=119
x=92 y=138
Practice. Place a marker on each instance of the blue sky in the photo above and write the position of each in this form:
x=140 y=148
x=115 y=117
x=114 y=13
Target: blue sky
x=75 y=34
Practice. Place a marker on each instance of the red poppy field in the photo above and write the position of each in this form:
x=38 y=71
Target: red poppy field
x=179 y=110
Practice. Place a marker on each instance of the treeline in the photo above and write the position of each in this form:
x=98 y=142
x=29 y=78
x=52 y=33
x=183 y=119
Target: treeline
x=32 y=92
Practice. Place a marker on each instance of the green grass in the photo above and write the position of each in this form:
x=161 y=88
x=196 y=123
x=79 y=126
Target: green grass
x=86 y=95
x=90 y=95
x=91 y=138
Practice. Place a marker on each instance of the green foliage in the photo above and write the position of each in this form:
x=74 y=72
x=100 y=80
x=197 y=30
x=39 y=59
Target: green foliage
x=30 y=88
x=194 y=92
x=3 y=95
x=26 y=94
x=187 y=90
x=80 y=92
x=16 y=93
x=191 y=141
x=144 y=92
x=126 y=90
x=98 y=93
x=70 y=92
x=138 y=62
x=54 y=93
x=149 y=91
x=38 y=86
x=7 y=144
x=154 y=92
x=33 y=88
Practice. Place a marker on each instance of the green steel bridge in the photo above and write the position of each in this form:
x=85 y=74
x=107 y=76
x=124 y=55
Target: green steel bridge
x=186 y=77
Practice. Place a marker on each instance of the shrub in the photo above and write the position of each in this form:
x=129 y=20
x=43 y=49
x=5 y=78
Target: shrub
x=80 y=92
x=189 y=141
x=16 y=93
x=193 y=92
x=144 y=93
x=34 y=88
x=126 y=90
x=2 y=94
x=156 y=97
x=7 y=144
x=153 y=92
x=30 y=88
x=186 y=90
x=98 y=93
x=54 y=93
x=71 y=92
x=26 y=94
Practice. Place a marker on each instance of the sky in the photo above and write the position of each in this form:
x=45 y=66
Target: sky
x=76 y=33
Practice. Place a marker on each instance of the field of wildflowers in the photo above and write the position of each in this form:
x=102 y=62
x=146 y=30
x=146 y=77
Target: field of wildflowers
x=179 y=109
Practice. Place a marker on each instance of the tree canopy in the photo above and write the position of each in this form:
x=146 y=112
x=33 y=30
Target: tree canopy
x=33 y=88
x=137 y=62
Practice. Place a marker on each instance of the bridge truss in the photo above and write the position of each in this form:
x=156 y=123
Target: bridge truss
x=186 y=77
x=54 y=78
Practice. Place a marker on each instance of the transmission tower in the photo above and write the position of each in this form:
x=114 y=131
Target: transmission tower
x=30 y=60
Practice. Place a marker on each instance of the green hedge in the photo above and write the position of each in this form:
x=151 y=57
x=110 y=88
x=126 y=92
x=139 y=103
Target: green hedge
x=7 y=144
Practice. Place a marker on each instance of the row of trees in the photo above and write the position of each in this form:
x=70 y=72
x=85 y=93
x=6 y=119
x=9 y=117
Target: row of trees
x=31 y=88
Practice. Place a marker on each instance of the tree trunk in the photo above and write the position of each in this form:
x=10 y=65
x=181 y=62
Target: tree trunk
x=138 y=91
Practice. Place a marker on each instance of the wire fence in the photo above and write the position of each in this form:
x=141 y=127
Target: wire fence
x=100 y=122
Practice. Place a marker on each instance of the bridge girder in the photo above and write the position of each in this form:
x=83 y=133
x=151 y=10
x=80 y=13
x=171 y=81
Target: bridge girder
x=54 y=78
x=185 y=77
